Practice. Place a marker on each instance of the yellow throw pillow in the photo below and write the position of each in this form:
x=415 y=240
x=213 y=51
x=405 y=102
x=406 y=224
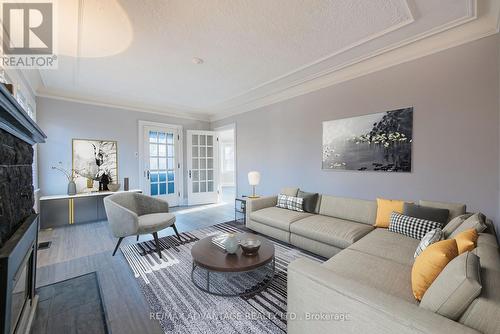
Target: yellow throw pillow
x=467 y=240
x=385 y=207
x=429 y=265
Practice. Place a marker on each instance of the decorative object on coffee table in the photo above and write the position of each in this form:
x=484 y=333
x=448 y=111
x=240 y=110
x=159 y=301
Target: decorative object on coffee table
x=253 y=180
x=250 y=246
x=211 y=259
x=375 y=142
x=231 y=243
x=97 y=159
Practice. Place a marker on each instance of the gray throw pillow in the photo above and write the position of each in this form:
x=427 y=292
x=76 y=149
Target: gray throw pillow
x=454 y=224
x=310 y=200
x=430 y=238
x=426 y=212
x=455 y=288
x=476 y=221
x=456 y=209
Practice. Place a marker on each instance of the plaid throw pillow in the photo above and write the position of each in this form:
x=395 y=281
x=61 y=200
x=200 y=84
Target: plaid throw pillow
x=282 y=201
x=430 y=238
x=412 y=227
x=290 y=203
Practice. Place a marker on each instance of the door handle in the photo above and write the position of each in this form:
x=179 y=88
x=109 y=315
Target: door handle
x=147 y=174
x=190 y=173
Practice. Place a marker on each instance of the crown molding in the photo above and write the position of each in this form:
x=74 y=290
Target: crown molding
x=167 y=111
x=450 y=35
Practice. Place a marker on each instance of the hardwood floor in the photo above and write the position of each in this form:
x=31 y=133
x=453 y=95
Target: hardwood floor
x=85 y=248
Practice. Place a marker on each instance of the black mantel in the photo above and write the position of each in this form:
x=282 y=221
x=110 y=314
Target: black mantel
x=14 y=120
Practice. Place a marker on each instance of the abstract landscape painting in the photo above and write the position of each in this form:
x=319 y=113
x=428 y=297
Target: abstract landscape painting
x=376 y=142
x=94 y=160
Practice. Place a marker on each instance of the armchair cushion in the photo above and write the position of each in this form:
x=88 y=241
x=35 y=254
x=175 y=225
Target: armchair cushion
x=155 y=222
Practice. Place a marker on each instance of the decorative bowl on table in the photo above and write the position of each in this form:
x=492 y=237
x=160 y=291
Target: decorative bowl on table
x=113 y=187
x=250 y=246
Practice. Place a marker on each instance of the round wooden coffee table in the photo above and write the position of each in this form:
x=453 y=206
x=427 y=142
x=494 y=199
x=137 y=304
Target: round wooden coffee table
x=212 y=259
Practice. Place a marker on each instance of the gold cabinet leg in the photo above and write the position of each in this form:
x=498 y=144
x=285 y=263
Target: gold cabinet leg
x=71 y=211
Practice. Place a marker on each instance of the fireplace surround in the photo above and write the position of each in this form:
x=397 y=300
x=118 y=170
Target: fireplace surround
x=18 y=222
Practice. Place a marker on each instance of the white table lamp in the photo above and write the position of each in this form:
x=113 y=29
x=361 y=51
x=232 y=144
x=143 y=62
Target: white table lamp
x=254 y=180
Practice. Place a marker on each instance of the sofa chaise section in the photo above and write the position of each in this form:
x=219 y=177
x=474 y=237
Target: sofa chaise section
x=371 y=281
x=322 y=301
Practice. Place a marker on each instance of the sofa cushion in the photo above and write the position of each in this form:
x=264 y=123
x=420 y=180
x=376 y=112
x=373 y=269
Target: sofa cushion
x=357 y=210
x=488 y=252
x=483 y=313
x=430 y=264
x=332 y=231
x=388 y=245
x=290 y=203
x=310 y=201
x=382 y=274
x=456 y=209
x=155 y=222
x=426 y=212
x=290 y=191
x=385 y=209
x=454 y=224
x=487 y=239
x=430 y=238
x=476 y=221
x=410 y=226
x=455 y=288
x=277 y=217
x=467 y=240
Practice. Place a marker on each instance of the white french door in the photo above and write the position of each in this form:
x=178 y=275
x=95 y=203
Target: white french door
x=161 y=163
x=202 y=152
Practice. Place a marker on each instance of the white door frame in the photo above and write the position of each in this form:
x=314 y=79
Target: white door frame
x=140 y=143
x=232 y=126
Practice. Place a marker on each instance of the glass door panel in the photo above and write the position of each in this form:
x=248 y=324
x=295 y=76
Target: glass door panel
x=202 y=182
x=161 y=165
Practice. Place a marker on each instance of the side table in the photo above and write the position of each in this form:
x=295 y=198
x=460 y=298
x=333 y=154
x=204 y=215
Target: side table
x=240 y=207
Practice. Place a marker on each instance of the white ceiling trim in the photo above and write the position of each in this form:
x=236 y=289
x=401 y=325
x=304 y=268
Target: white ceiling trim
x=324 y=59
x=144 y=109
x=372 y=64
x=283 y=83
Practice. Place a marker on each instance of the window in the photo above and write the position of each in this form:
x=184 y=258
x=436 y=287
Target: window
x=227 y=157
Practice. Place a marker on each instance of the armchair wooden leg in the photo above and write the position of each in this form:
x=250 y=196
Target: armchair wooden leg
x=176 y=233
x=138 y=237
x=157 y=242
x=117 y=245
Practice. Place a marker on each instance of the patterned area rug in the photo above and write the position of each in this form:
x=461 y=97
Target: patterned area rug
x=181 y=307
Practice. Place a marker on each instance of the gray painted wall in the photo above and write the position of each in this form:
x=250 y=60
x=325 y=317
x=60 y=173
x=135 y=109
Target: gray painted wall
x=62 y=121
x=456 y=132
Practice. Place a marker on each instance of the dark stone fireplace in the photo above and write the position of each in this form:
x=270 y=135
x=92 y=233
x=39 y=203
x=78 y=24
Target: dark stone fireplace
x=18 y=221
x=16 y=184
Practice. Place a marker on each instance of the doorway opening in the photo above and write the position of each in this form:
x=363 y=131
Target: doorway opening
x=227 y=163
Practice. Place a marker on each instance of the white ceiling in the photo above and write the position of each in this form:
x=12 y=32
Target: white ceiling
x=139 y=54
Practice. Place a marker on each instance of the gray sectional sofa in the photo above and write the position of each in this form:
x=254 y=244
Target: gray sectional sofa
x=365 y=285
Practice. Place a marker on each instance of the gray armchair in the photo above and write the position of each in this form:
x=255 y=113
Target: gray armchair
x=134 y=214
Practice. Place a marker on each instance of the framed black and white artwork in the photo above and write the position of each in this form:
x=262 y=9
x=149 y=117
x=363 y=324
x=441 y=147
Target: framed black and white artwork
x=95 y=164
x=376 y=142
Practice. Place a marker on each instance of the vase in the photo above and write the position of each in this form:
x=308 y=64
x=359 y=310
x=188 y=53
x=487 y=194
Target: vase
x=71 y=188
x=231 y=244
